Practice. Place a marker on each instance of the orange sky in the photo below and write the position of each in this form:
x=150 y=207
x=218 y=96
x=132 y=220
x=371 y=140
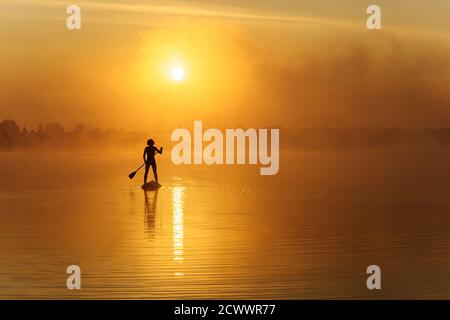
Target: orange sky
x=247 y=63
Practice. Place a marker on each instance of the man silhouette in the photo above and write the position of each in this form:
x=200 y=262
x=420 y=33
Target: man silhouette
x=149 y=159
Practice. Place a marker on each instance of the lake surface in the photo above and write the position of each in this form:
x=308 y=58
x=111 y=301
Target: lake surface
x=227 y=232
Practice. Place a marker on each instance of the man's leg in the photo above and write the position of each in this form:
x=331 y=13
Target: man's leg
x=155 y=174
x=146 y=173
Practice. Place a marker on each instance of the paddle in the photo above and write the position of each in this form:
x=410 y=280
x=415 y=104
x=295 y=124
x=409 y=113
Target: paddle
x=131 y=175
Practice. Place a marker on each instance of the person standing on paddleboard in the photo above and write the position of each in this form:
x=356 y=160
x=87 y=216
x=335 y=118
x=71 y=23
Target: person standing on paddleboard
x=149 y=159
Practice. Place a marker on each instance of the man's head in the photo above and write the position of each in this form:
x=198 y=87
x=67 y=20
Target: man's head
x=150 y=142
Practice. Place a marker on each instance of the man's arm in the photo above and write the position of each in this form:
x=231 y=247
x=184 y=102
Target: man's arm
x=160 y=150
x=145 y=153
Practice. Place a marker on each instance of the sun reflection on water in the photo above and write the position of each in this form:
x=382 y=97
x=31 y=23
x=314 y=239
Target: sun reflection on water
x=177 y=221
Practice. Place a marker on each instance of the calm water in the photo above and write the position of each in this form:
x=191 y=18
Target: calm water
x=226 y=232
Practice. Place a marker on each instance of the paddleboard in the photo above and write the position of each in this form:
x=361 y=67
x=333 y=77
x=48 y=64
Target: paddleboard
x=152 y=185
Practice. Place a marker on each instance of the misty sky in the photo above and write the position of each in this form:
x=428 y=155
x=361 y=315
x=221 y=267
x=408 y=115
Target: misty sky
x=248 y=63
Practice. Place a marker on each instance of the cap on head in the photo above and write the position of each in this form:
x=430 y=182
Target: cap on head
x=150 y=142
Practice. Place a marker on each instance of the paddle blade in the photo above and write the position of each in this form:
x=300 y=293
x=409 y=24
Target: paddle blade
x=131 y=175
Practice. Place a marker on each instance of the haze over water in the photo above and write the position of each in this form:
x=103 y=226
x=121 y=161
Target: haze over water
x=227 y=232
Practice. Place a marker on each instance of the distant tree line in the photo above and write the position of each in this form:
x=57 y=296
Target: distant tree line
x=355 y=137
x=53 y=136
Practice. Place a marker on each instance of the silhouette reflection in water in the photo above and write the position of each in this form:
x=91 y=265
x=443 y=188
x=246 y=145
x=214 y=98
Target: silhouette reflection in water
x=151 y=197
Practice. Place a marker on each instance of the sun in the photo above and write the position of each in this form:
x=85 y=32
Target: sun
x=177 y=73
